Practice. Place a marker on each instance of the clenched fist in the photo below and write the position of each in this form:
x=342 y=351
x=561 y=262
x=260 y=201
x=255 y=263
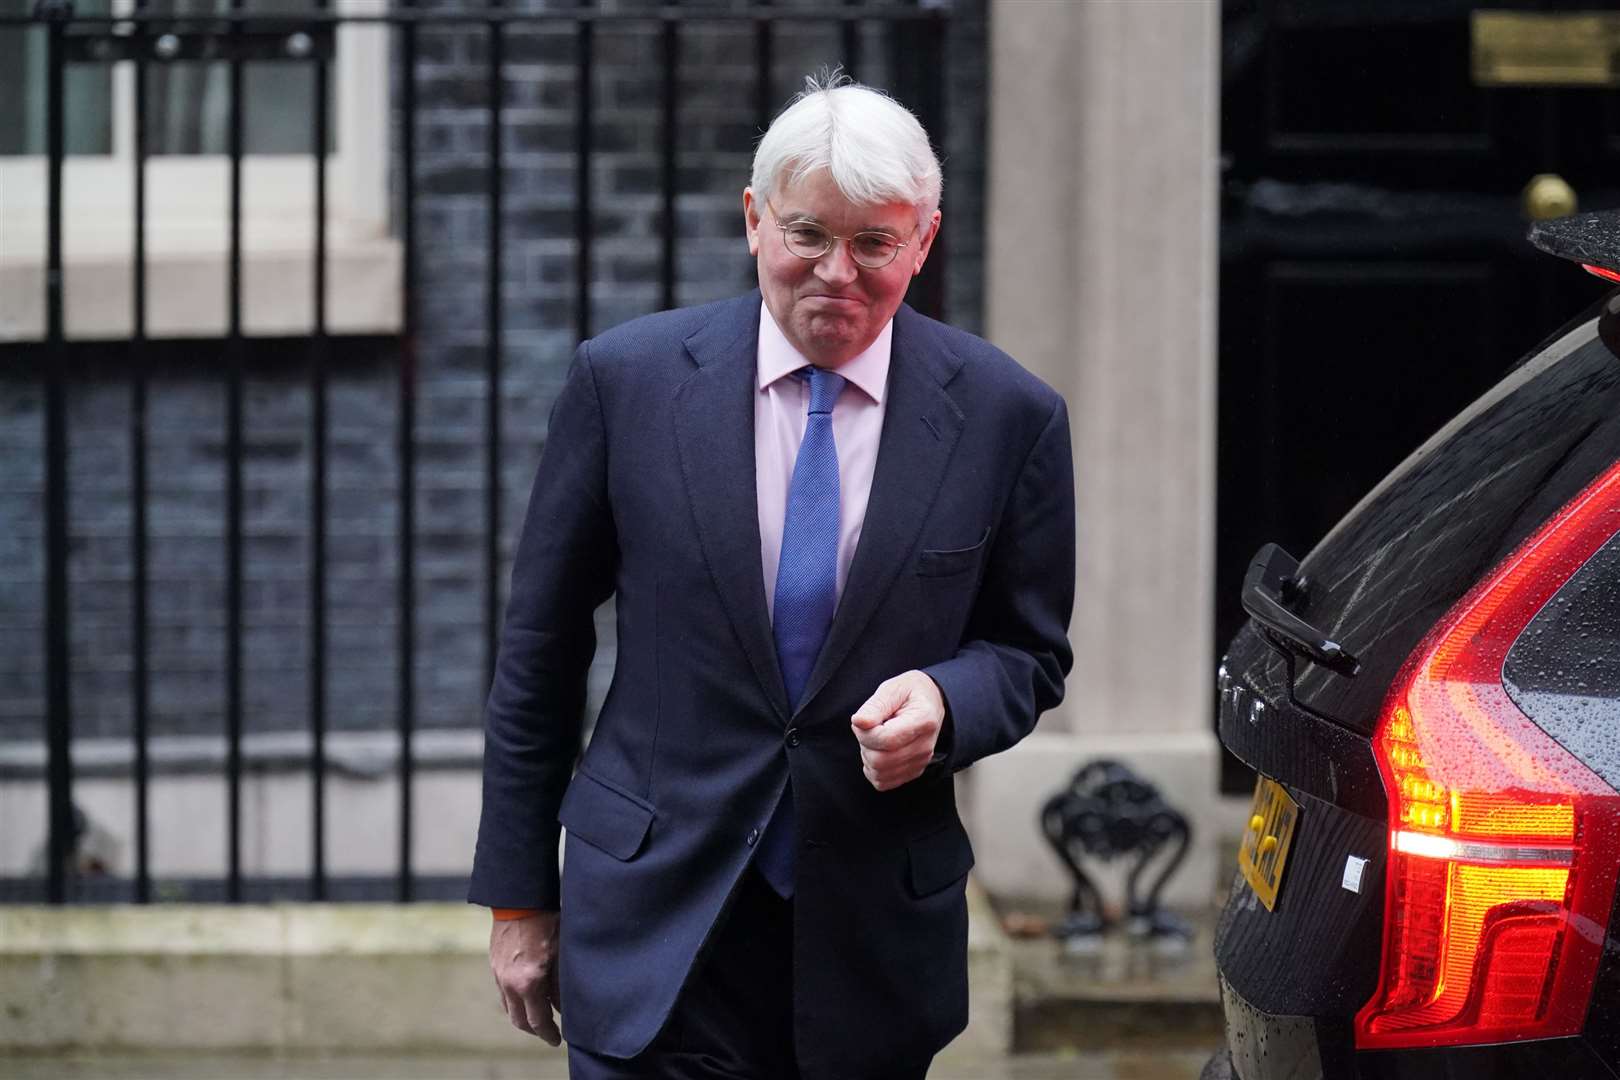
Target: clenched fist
x=898 y=728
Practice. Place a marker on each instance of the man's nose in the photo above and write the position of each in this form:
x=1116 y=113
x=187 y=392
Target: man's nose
x=837 y=267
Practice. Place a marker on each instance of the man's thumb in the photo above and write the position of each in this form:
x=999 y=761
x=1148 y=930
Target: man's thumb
x=878 y=708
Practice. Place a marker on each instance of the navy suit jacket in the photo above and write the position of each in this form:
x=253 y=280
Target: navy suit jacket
x=645 y=491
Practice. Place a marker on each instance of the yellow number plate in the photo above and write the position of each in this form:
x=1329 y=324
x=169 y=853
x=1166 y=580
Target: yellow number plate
x=1266 y=838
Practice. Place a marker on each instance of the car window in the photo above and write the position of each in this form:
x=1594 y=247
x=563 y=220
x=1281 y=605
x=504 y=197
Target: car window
x=1564 y=670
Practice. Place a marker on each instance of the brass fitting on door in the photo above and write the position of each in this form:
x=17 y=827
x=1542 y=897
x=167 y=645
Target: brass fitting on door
x=1548 y=195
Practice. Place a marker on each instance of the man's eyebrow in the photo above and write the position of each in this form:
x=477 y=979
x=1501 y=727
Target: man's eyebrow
x=790 y=216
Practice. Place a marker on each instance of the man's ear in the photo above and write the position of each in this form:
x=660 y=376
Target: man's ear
x=926 y=243
x=751 y=221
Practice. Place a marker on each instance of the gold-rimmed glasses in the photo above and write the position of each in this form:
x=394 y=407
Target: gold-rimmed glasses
x=809 y=240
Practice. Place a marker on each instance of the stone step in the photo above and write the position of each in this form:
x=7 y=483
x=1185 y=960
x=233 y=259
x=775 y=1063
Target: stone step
x=304 y=978
x=1123 y=993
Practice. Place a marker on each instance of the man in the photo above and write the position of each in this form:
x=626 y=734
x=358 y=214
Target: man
x=841 y=541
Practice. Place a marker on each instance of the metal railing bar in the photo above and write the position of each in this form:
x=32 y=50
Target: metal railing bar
x=89 y=358
x=494 y=340
x=264 y=889
x=318 y=348
x=850 y=34
x=411 y=16
x=582 y=175
x=268 y=40
x=233 y=496
x=764 y=40
x=670 y=176
x=936 y=123
x=407 y=458
x=58 y=717
x=141 y=674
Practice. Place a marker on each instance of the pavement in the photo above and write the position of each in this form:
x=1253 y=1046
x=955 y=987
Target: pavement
x=1120 y=1010
x=121 y=1001
x=549 y=1065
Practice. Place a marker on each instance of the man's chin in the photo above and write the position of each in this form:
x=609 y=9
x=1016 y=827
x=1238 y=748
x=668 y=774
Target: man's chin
x=838 y=339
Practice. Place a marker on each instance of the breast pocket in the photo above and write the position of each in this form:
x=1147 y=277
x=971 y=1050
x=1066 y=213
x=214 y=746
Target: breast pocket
x=946 y=563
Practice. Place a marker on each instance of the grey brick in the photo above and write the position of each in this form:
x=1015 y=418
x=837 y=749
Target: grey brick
x=532 y=46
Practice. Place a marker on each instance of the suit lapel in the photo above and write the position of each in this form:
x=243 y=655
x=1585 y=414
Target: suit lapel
x=921 y=425
x=715 y=433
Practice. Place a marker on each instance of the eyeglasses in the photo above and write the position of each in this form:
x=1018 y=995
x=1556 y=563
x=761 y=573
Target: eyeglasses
x=808 y=240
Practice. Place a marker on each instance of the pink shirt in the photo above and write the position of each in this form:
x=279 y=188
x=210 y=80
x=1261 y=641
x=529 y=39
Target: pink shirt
x=781 y=406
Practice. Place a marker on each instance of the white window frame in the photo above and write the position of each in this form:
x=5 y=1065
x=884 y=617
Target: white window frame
x=188 y=222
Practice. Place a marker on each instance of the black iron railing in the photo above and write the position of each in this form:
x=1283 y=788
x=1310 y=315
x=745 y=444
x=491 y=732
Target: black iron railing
x=236 y=37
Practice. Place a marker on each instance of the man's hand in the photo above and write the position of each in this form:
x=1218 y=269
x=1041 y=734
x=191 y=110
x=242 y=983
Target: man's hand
x=523 y=956
x=897 y=729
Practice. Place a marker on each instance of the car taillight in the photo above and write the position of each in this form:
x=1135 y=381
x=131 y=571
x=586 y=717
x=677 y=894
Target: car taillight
x=1503 y=846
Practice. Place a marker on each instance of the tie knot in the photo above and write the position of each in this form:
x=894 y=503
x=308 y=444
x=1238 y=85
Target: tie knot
x=825 y=386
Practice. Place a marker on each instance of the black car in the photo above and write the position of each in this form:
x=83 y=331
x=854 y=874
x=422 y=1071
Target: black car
x=1431 y=698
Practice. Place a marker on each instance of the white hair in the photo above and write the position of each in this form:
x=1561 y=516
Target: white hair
x=875 y=150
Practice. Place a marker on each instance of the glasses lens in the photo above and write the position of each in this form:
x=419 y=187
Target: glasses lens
x=874 y=250
x=806 y=240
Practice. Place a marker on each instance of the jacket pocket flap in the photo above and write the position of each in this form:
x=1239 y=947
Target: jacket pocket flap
x=946 y=563
x=939 y=859
x=605 y=817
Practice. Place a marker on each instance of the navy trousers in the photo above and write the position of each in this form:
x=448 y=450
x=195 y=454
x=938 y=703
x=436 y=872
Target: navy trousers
x=734 y=1018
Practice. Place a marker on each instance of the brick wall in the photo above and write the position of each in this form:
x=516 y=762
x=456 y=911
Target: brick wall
x=186 y=410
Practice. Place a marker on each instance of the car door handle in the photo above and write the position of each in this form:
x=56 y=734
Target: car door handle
x=1270 y=585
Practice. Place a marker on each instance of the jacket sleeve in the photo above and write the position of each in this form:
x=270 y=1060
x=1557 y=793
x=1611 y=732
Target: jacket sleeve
x=564 y=568
x=1015 y=653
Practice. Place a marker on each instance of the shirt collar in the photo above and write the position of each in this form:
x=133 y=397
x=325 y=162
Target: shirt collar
x=777 y=358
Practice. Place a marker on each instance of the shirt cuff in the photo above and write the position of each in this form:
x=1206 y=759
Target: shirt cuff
x=504 y=914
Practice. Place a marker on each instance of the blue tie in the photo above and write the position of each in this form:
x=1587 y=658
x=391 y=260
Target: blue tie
x=806 y=592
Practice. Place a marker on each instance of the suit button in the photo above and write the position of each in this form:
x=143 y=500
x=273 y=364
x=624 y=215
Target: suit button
x=753 y=837
x=793 y=736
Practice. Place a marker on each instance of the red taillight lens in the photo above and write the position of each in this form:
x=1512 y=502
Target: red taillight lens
x=1503 y=846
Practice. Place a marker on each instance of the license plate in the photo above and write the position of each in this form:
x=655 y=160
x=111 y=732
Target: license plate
x=1266 y=839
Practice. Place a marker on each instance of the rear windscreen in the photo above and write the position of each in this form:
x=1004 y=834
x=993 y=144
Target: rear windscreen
x=1564 y=671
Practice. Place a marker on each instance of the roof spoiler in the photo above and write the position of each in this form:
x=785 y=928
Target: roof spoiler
x=1593 y=240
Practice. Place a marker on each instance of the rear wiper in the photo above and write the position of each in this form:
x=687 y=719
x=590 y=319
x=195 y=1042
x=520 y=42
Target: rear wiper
x=1272 y=584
